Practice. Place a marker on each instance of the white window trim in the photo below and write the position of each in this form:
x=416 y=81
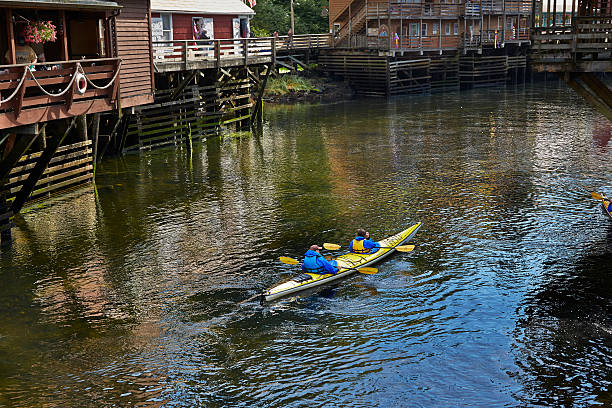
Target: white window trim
x=171 y=25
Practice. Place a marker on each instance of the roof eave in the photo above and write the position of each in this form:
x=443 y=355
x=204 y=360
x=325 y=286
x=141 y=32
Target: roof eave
x=59 y=4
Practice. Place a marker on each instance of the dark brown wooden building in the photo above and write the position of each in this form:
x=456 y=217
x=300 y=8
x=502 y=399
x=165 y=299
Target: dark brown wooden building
x=99 y=61
x=67 y=69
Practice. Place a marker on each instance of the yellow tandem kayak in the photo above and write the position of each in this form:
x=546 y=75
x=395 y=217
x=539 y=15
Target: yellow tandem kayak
x=350 y=260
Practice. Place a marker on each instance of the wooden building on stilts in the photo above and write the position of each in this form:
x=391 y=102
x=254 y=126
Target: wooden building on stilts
x=68 y=69
x=392 y=47
x=206 y=70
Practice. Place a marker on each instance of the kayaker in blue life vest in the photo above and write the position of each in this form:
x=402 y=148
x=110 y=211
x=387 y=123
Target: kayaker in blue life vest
x=362 y=244
x=314 y=262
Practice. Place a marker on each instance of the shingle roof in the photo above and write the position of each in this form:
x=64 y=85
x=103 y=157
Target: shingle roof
x=202 y=6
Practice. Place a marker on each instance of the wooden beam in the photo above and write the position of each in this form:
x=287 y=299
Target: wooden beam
x=179 y=89
x=597 y=87
x=46 y=113
x=39 y=168
x=11 y=157
x=297 y=61
x=11 y=36
x=257 y=109
x=64 y=39
x=589 y=97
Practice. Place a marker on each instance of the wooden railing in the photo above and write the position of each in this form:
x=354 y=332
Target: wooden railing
x=240 y=50
x=429 y=42
x=476 y=8
x=397 y=9
x=57 y=83
x=587 y=36
x=410 y=43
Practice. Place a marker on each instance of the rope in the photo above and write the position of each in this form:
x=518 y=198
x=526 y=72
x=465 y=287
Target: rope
x=105 y=86
x=57 y=94
x=21 y=81
x=79 y=68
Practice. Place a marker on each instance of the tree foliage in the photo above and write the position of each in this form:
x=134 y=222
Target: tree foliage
x=275 y=15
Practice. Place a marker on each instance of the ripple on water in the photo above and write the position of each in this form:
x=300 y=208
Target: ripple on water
x=130 y=296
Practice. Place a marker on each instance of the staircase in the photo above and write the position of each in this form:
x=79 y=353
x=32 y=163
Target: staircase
x=355 y=14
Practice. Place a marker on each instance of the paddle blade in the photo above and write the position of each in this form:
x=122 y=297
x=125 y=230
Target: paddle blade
x=404 y=248
x=367 y=271
x=597 y=196
x=331 y=247
x=289 y=261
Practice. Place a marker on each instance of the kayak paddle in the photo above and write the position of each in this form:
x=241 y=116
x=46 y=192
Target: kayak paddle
x=401 y=248
x=596 y=196
x=366 y=270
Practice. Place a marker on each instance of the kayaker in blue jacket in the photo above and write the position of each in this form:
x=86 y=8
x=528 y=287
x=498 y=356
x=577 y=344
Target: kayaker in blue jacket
x=362 y=244
x=314 y=262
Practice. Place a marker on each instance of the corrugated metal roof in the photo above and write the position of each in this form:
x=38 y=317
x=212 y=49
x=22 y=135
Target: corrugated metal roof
x=202 y=6
x=61 y=4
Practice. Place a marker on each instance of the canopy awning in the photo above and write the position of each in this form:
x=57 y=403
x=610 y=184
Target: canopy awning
x=61 y=4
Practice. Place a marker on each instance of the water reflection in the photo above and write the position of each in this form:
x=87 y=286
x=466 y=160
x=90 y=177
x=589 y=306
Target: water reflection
x=131 y=296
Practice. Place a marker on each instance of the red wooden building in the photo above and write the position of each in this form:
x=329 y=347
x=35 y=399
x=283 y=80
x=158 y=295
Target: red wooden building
x=199 y=19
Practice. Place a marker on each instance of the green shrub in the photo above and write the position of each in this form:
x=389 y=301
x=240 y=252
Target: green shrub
x=285 y=84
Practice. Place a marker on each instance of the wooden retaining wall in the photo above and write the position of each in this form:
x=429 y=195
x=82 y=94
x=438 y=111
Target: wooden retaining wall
x=444 y=73
x=71 y=165
x=380 y=75
x=367 y=73
x=480 y=71
x=409 y=76
x=199 y=111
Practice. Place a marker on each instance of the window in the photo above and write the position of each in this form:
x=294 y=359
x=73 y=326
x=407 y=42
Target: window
x=424 y=30
x=435 y=28
x=447 y=28
x=161 y=27
x=414 y=30
x=456 y=29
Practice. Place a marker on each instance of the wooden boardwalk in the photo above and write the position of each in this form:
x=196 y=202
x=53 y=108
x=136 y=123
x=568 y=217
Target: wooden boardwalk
x=171 y=56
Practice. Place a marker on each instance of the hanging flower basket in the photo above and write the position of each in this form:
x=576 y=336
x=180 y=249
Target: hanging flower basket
x=38 y=32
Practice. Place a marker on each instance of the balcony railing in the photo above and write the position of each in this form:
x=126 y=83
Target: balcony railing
x=450 y=9
x=60 y=85
x=187 y=54
x=476 y=8
x=429 y=42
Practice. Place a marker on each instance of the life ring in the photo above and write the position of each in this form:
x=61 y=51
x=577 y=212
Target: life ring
x=81 y=83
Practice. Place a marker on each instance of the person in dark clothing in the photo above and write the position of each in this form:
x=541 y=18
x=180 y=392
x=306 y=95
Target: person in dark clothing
x=314 y=262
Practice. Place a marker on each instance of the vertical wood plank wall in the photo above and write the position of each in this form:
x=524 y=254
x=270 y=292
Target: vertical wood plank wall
x=134 y=47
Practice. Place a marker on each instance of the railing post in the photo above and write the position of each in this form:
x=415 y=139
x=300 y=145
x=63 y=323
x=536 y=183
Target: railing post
x=185 y=52
x=218 y=53
x=245 y=46
x=18 y=103
x=274 y=52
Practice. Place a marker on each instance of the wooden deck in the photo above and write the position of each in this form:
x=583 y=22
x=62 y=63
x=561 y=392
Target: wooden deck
x=49 y=90
x=583 y=46
x=170 y=56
